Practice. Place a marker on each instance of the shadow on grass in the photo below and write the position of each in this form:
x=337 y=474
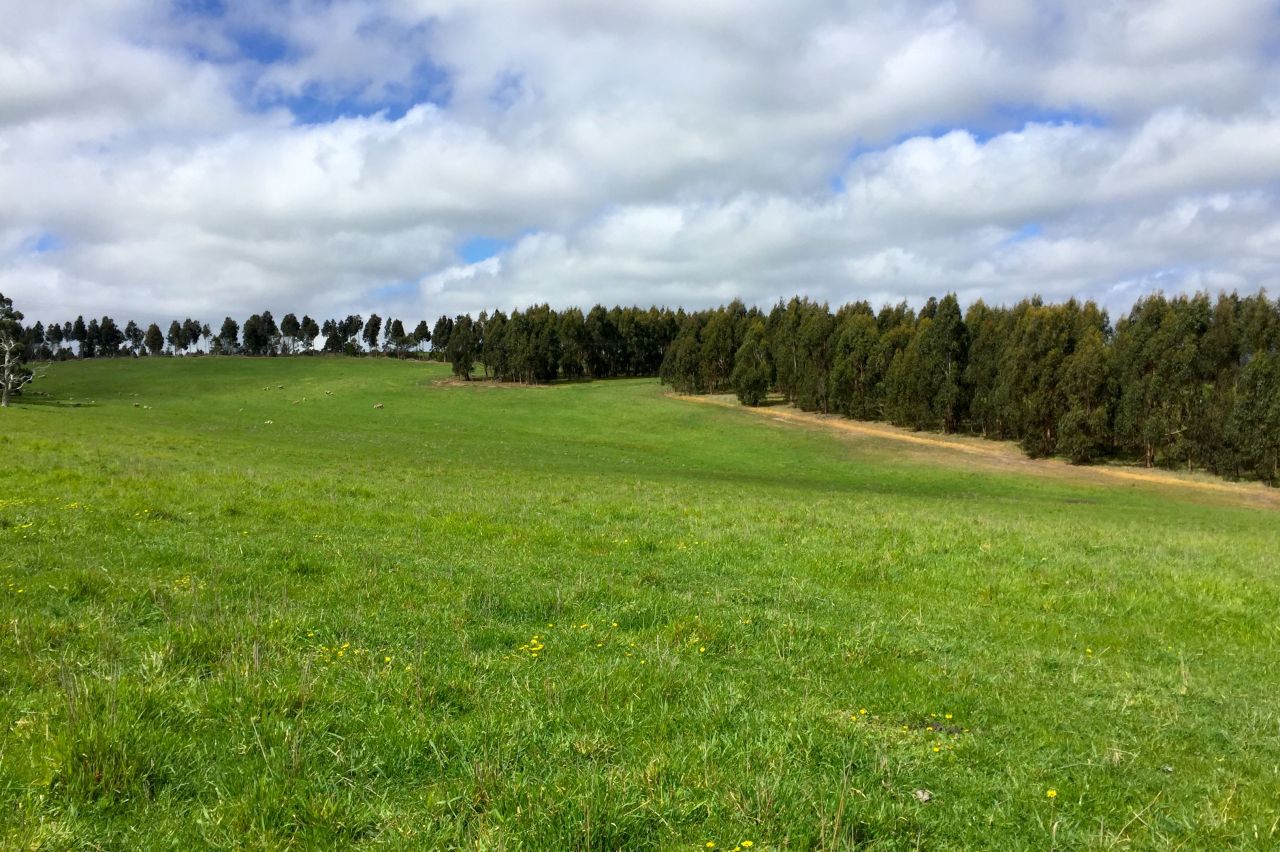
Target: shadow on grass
x=42 y=401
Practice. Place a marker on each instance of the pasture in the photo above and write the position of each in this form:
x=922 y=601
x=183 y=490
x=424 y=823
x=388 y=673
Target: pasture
x=241 y=606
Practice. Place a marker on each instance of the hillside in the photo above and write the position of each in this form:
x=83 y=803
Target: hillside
x=243 y=601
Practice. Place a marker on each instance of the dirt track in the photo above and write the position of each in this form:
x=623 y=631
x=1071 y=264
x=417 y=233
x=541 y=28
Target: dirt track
x=1005 y=455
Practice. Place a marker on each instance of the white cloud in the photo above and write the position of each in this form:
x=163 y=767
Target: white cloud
x=672 y=152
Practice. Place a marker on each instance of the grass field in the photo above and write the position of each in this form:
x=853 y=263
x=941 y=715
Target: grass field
x=592 y=616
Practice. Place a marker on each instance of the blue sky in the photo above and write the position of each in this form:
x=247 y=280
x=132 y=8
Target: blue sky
x=336 y=156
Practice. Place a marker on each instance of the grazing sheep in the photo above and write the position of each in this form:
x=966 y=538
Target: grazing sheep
x=378 y=405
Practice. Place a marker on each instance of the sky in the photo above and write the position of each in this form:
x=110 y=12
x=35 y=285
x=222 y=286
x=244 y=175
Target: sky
x=174 y=158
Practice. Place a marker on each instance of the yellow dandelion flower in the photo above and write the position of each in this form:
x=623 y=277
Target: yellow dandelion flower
x=948 y=716
x=711 y=844
x=862 y=712
x=936 y=749
x=746 y=844
x=1052 y=794
x=386 y=659
x=702 y=650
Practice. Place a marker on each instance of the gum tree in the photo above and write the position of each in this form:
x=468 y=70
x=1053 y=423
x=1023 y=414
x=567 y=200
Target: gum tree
x=14 y=373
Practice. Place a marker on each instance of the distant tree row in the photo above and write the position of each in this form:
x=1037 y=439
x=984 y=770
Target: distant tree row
x=1183 y=381
x=535 y=345
x=260 y=335
x=541 y=345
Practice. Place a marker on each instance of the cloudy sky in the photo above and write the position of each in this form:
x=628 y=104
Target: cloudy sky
x=164 y=158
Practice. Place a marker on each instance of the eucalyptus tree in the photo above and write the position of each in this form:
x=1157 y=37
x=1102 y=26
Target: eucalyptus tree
x=14 y=372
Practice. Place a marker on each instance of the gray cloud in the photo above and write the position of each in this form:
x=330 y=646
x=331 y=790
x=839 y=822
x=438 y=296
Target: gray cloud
x=666 y=152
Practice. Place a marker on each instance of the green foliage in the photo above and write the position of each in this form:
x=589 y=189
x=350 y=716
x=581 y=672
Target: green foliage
x=260 y=334
x=460 y=351
x=290 y=330
x=373 y=327
x=854 y=377
x=1157 y=350
x=440 y=336
x=751 y=369
x=1256 y=418
x=1084 y=429
x=720 y=339
x=154 y=339
x=573 y=344
x=682 y=366
x=229 y=335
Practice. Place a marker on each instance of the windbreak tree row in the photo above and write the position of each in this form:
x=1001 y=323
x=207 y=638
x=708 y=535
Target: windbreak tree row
x=259 y=335
x=534 y=345
x=1182 y=381
x=1186 y=381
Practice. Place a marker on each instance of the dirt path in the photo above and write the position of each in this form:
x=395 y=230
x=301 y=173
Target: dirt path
x=1004 y=455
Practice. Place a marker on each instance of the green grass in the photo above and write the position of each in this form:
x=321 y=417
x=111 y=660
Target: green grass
x=320 y=631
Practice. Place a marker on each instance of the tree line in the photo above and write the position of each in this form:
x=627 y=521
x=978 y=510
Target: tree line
x=1179 y=382
x=1185 y=381
x=259 y=335
x=532 y=346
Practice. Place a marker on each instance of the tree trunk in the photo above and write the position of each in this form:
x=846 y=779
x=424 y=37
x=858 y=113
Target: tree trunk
x=4 y=378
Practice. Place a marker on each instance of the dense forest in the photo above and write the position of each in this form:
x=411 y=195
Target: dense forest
x=1187 y=381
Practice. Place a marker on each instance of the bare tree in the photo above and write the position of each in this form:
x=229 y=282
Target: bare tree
x=14 y=375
